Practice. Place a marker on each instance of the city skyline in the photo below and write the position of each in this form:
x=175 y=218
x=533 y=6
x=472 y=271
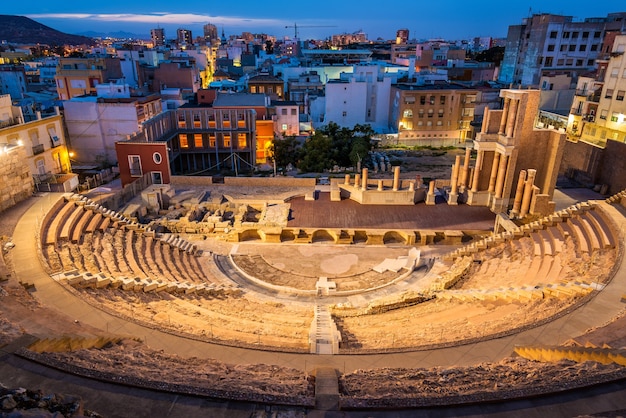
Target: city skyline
x=326 y=18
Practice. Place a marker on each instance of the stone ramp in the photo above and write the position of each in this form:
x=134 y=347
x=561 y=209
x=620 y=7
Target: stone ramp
x=326 y=389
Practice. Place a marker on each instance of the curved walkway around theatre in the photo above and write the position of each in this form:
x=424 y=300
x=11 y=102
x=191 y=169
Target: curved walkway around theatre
x=597 y=312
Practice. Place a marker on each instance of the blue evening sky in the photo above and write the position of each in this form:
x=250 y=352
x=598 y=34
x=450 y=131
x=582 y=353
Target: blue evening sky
x=452 y=19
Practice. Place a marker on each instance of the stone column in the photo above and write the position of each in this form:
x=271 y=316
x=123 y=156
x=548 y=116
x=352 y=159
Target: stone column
x=454 y=182
x=396 y=178
x=465 y=173
x=476 y=176
x=501 y=176
x=510 y=123
x=528 y=192
x=346 y=180
x=412 y=186
x=357 y=180
x=364 y=179
x=380 y=185
x=430 y=197
x=519 y=192
x=494 y=172
x=505 y=114
x=418 y=182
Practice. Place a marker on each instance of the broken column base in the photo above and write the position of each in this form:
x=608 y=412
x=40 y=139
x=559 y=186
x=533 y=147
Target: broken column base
x=430 y=199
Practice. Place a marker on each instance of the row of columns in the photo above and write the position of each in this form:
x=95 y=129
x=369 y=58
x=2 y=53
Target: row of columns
x=360 y=180
x=509 y=117
x=524 y=193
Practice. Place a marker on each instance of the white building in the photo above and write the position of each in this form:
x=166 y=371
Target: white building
x=361 y=97
x=94 y=124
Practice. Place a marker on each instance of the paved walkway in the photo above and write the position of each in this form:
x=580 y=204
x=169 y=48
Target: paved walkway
x=599 y=311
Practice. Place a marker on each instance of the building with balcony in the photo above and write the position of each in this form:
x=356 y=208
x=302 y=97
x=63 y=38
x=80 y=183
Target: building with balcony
x=158 y=37
x=598 y=111
x=547 y=42
x=438 y=114
x=80 y=76
x=42 y=145
x=267 y=84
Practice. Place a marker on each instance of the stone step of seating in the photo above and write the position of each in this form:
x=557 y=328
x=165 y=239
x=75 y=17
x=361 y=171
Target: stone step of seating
x=556 y=238
x=580 y=236
x=546 y=241
x=94 y=222
x=537 y=244
x=604 y=355
x=590 y=231
x=546 y=266
x=555 y=270
x=70 y=222
x=81 y=225
x=58 y=221
x=605 y=232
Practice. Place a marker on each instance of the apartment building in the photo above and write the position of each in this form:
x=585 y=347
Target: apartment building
x=192 y=140
x=547 y=42
x=158 y=37
x=13 y=80
x=79 y=76
x=40 y=137
x=95 y=124
x=599 y=110
x=360 y=97
x=439 y=114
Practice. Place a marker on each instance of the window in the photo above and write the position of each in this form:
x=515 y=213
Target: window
x=614 y=116
x=283 y=112
x=572 y=48
x=197 y=141
x=550 y=47
x=560 y=61
x=409 y=99
x=585 y=35
x=624 y=74
x=614 y=72
x=620 y=95
x=134 y=164
x=34 y=137
x=227 y=140
x=608 y=94
x=548 y=61
x=408 y=113
x=421 y=113
x=344 y=113
x=284 y=126
x=211 y=121
x=196 y=121
x=429 y=123
x=590 y=62
x=156 y=157
x=439 y=123
x=594 y=47
x=579 y=63
x=582 y=48
x=183 y=141
x=574 y=35
x=430 y=113
x=442 y=100
x=181 y=120
x=294 y=112
x=420 y=123
x=440 y=113
x=432 y=100
x=603 y=114
x=212 y=140
x=422 y=100
x=242 y=141
x=553 y=34
x=566 y=35
x=597 y=34
x=53 y=136
x=563 y=48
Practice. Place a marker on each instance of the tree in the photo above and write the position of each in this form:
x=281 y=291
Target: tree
x=285 y=151
x=495 y=55
x=269 y=47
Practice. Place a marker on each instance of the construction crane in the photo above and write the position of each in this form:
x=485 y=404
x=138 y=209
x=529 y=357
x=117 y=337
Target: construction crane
x=295 y=27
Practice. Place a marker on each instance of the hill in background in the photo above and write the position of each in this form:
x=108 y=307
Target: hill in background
x=22 y=30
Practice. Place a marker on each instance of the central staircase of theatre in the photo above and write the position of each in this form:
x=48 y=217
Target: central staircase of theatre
x=324 y=337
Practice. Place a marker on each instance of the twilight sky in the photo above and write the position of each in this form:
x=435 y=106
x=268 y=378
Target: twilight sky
x=452 y=19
